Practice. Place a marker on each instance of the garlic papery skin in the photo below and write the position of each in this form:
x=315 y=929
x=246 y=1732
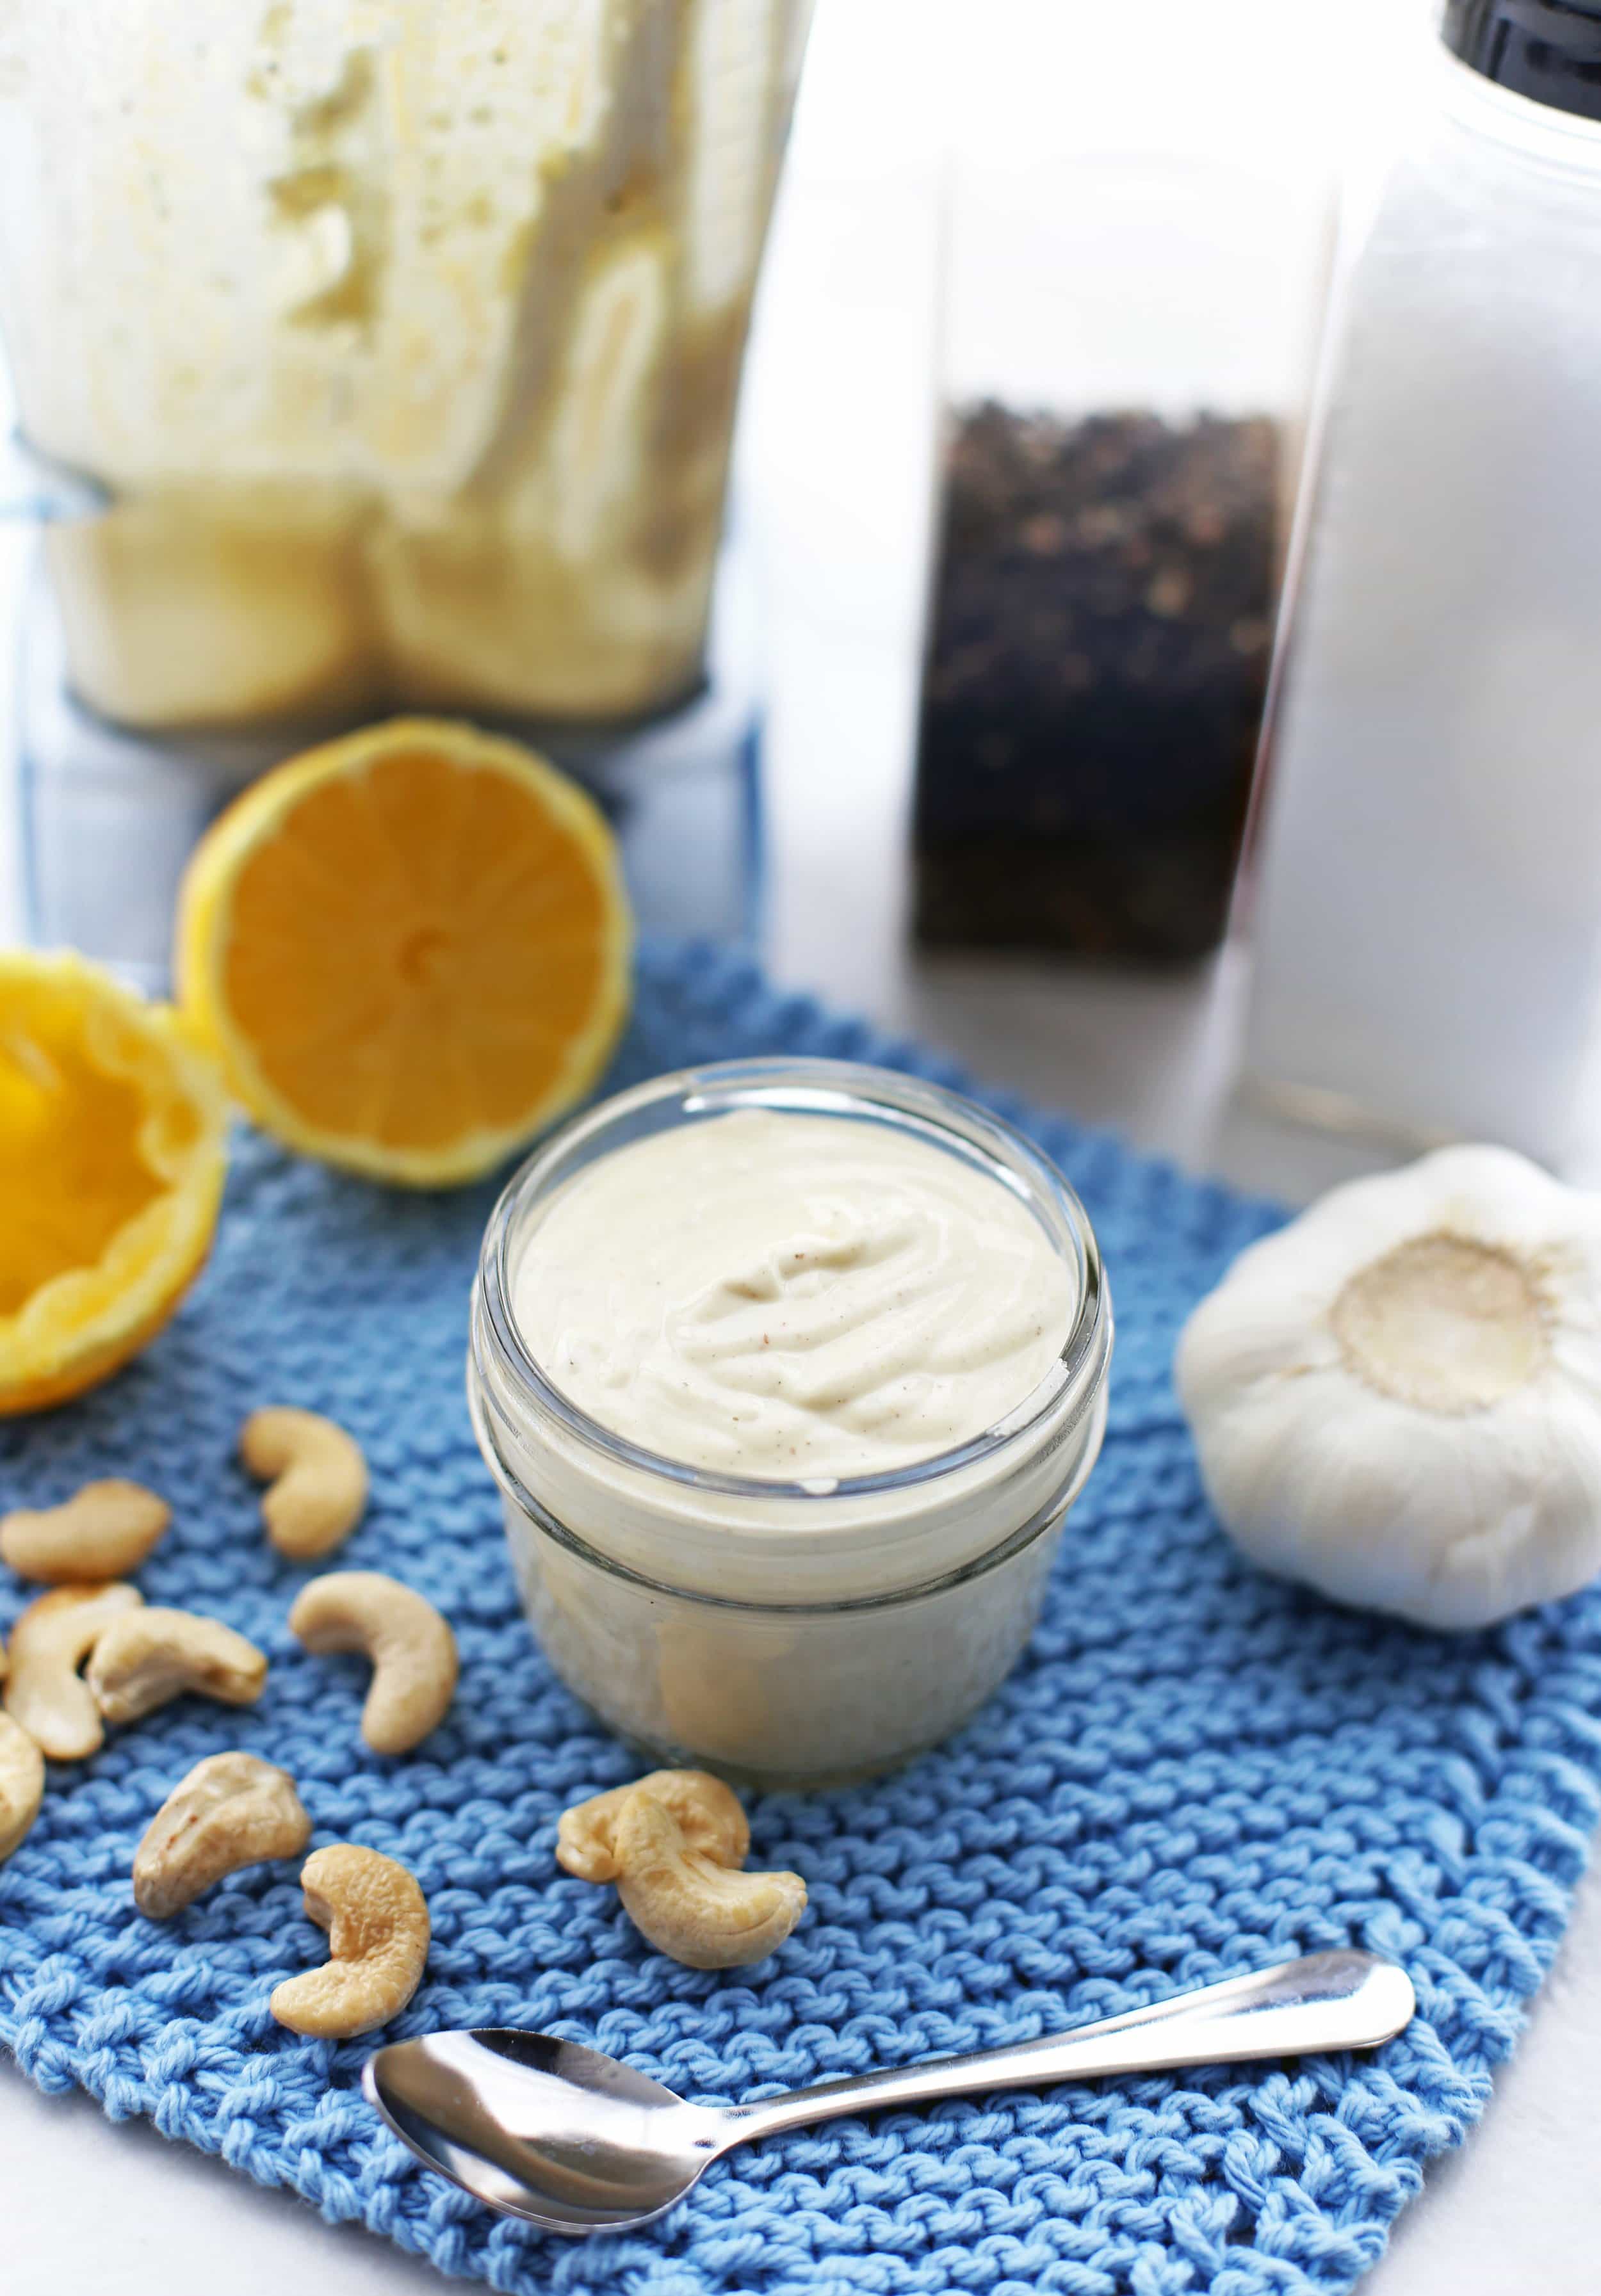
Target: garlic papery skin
x=1396 y=1398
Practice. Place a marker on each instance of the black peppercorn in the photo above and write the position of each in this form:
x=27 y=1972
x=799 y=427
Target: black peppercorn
x=1097 y=660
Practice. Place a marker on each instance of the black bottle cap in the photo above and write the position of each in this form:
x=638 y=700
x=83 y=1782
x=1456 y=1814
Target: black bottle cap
x=1546 y=49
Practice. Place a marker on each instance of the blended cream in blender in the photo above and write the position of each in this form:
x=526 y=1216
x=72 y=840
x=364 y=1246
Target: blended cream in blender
x=406 y=335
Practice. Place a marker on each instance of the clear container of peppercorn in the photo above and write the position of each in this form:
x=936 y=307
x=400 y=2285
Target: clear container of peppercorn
x=1128 y=347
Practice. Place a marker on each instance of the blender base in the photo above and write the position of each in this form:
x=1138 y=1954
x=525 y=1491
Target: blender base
x=108 y=816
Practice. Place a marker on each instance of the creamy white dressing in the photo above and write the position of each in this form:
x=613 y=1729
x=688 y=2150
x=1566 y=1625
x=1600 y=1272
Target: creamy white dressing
x=790 y=1297
x=796 y=1300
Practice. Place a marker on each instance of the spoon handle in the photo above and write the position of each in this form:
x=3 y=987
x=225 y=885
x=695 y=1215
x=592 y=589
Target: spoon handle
x=1341 y=2000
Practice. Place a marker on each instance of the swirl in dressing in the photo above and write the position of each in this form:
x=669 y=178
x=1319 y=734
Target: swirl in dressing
x=792 y=1296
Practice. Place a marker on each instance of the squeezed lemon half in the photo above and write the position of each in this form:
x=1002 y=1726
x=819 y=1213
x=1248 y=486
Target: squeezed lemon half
x=112 y=1156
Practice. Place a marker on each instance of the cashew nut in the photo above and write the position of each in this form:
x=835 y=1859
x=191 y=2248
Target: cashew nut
x=48 y=1643
x=147 y=1657
x=377 y=1923
x=231 y=1810
x=674 y=1843
x=412 y=1649
x=22 y=1784
x=318 y=1477
x=105 y=1531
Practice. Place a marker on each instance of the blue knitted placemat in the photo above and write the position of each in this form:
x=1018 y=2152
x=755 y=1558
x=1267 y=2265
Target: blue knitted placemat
x=1194 y=1771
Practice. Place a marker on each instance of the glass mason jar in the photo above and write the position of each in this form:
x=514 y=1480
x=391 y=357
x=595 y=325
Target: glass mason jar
x=787 y=1634
x=377 y=354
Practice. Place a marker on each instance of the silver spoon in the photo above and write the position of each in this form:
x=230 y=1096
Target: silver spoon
x=577 y=2143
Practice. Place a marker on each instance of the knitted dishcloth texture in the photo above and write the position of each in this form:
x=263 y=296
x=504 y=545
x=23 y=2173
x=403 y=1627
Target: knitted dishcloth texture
x=1194 y=1771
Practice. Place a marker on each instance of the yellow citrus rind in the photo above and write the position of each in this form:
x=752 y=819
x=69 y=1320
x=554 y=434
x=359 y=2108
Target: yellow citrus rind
x=64 y=1025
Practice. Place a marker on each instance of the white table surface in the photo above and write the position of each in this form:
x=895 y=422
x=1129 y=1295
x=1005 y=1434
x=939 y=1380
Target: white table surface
x=836 y=452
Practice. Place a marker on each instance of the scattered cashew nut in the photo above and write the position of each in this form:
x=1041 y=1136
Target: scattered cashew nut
x=231 y=1810
x=22 y=1784
x=103 y=1531
x=148 y=1656
x=318 y=1477
x=48 y=1643
x=674 y=1843
x=377 y=1923
x=412 y=1649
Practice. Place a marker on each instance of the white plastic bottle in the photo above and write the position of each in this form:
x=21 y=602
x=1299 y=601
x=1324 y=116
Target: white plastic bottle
x=1428 y=901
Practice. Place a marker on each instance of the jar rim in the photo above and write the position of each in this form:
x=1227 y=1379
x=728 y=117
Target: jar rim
x=813 y=1087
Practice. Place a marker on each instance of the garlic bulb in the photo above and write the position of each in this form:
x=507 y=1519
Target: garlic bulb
x=1397 y=1399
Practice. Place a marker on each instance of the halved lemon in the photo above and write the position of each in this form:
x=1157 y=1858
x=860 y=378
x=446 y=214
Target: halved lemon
x=112 y=1154
x=409 y=949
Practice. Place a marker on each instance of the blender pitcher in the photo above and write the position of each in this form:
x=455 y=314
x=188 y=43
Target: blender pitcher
x=384 y=352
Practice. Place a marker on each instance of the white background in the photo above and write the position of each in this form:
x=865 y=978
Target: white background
x=836 y=459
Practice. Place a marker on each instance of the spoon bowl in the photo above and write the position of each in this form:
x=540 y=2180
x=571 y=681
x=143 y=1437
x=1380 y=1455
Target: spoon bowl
x=577 y=2143
x=541 y=2128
